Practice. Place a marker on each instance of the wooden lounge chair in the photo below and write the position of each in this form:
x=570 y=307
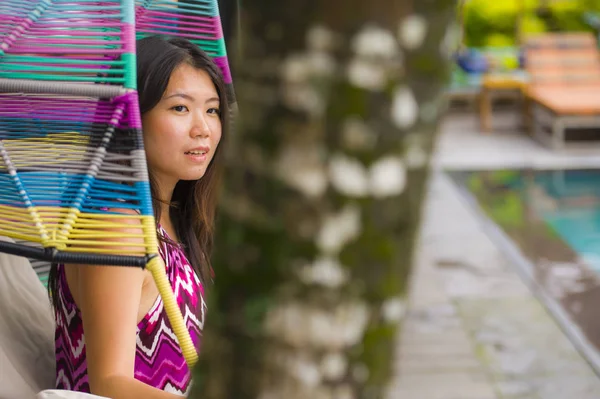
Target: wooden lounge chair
x=563 y=93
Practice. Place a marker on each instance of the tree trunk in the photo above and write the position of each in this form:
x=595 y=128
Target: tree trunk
x=228 y=11
x=339 y=102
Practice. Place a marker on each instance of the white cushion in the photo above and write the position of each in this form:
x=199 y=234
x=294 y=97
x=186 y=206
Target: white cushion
x=60 y=394
x=27 y=361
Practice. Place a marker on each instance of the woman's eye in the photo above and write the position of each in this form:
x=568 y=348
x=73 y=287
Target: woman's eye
x=180 y=108
x=216 y=111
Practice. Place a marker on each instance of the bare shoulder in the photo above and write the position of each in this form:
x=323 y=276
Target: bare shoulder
x=126 y=215
x=126 y=238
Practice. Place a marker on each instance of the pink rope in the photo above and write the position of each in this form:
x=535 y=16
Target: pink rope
x=128 y=37
x=41 y=36
x=65 y=41
x=209 y=34
x=13 y=66
x=81 y=23
x=52 y=32
x=223 y=63
x=28 y=49
x=180 y=21
x=189 y=36
x=145 y=11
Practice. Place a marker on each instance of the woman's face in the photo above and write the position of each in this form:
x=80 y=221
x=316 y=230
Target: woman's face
x=182 y=132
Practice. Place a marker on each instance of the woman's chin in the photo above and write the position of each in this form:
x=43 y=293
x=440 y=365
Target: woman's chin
x=193 y=176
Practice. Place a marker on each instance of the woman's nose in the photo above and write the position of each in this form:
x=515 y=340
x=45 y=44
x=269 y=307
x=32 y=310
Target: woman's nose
x=200 y=128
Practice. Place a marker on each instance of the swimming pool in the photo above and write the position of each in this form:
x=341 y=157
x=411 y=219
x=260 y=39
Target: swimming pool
x=548 y=222
x=576 y=214
x=566 y=201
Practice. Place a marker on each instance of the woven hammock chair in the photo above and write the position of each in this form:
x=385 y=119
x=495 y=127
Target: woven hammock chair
x=70 y=129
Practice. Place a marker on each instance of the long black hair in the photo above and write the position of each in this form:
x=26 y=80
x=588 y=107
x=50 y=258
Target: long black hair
x=193 y=202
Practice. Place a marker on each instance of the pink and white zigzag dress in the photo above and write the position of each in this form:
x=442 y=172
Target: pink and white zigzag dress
x=158 y=361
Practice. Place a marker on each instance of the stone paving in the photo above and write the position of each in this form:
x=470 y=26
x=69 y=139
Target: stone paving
x=473 y=328
x=462 y=146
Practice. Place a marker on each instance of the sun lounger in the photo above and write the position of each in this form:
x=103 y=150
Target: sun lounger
x=563 y=92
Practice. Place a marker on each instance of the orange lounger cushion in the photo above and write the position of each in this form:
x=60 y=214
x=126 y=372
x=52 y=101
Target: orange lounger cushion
x=566 y=100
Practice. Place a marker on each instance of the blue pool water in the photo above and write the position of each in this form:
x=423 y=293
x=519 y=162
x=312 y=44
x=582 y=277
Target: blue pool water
x=580 y=229
x=567 y=201
x=576 y=219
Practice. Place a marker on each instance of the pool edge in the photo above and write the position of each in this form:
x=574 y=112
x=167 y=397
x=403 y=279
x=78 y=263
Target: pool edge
x=525 y=269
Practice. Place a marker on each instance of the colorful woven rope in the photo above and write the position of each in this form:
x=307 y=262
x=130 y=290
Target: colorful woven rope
x=68 y=41
x=196 y=20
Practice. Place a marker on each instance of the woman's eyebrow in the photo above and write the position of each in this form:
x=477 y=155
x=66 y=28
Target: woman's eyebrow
x=182 y=95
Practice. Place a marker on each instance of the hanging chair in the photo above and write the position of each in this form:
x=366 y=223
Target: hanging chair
x=70 y=130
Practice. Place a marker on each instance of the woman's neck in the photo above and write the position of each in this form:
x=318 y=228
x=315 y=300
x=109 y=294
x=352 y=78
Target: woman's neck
x=165 y=188
x=167 y=223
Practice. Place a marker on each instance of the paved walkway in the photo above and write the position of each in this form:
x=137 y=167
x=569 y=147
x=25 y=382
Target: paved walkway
x=462 y=146
x=473 y=329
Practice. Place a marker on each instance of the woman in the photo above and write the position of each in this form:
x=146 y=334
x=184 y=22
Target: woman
x=113 y=338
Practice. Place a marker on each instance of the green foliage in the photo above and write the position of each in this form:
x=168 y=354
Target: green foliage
x=504 y=176
x=475 y=184
x=532 y=24
x=374 y=354
x=490 y=23
x=508 y=210
x=498 y=197
x=483 y=18
x=499 y=40
x=569 y=15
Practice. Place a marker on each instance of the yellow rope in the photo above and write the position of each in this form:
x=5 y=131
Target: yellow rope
x=157 y=268
x=33 y=238
x=83 y=226
x=87 y=229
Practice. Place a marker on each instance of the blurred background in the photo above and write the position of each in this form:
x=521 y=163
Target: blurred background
x=507 y=270
x=499 y=139
x=411 y=204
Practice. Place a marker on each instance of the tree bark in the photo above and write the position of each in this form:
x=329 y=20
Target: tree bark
x=339 y=101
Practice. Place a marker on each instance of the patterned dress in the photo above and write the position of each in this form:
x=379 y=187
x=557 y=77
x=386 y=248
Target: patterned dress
x=158 y=360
